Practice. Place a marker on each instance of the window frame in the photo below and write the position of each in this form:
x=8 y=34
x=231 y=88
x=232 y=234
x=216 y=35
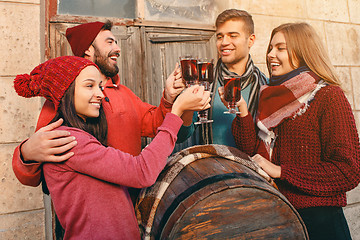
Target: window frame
x=51 y=16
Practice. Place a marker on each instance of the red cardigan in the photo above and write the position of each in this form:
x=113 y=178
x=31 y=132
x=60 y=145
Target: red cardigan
x=318 y=151
x=128 y=119
x=89 y=191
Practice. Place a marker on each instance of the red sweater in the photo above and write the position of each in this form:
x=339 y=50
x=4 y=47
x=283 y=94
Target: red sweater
x=89 y=191
x=128 y=119
x=318 y=151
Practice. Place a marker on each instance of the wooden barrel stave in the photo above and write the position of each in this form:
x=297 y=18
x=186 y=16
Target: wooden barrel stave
x=205 y=169
x=218 y=198
x=195 y=224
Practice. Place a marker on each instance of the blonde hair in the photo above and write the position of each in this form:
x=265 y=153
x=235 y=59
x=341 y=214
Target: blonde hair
x=305 y=47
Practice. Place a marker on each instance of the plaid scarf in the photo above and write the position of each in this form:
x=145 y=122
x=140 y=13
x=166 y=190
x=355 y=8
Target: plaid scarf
x=285 y=101
x=252 y=75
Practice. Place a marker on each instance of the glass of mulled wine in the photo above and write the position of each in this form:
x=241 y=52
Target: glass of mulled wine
x=206 y=77
x=232 y=92
x=189 y=70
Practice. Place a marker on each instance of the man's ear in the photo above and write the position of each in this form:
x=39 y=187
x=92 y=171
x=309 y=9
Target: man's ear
x=89 y=52
x=251 y=40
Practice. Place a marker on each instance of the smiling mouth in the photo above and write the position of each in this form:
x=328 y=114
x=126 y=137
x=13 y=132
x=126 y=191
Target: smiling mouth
x=96 y=104
x=114 y=56
x=226 y=51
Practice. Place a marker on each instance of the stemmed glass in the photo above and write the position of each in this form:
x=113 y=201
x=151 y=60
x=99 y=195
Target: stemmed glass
x=189 y=70
x=206 y=77
x=232 y=92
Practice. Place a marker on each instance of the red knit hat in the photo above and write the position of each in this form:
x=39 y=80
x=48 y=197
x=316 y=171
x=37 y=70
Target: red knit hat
x=51 y=79
x=80 y=37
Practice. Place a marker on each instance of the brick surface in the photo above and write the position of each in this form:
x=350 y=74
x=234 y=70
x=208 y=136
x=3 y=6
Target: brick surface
x=333 y=10
x=346 y=83
x=355 y=75
x=14 y=196
x=293 y=9
x=343 y=43
x=357 y=121
x=353 y=196
x=24 y=1
x=20 y=33
x=352 y=213
x=354 y=6
x=22 y=226
x=18 y=115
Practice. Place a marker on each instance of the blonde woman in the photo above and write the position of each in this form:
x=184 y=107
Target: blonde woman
x=305 y=135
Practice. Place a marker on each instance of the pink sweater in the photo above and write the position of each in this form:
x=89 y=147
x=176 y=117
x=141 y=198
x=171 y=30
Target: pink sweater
x=318 y=151
x=89 y=191
x=128 y=120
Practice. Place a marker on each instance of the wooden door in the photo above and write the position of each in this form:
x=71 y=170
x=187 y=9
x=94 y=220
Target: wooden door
x=148 y=54
x=163 y=47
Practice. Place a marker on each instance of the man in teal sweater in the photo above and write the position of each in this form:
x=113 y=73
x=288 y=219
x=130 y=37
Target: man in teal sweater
x=235 y=36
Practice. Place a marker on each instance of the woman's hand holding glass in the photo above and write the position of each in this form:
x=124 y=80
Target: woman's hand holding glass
x=193 y=98
x=241 y=105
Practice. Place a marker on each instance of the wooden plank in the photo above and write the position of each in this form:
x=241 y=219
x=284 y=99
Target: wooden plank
x=164 y=203
x=237 y=214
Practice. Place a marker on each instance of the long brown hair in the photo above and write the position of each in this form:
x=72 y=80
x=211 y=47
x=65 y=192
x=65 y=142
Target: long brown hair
x=95 y=126
x=305 y=47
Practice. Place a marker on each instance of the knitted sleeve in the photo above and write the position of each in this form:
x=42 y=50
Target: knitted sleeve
x=339 y=168
x=243 y=130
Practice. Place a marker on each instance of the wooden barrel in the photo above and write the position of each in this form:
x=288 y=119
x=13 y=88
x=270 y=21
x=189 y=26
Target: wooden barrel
x=215 y=192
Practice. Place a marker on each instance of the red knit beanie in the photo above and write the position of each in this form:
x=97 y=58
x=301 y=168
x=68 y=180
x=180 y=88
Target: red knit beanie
x=80 y=37
x=51 y=79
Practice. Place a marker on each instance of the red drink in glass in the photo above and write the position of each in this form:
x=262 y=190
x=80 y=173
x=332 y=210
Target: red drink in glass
x=189 y=70
x=232 y=88
x=232 y=91
x=206 y=77
x=206 y=74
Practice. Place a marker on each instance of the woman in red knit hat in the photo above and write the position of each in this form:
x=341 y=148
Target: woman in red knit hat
x=89 y=191
x=305 y=134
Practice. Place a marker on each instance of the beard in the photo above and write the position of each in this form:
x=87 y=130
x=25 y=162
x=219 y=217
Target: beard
x=102 y=61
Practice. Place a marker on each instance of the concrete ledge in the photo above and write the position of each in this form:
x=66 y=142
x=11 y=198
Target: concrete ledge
x=22 y=225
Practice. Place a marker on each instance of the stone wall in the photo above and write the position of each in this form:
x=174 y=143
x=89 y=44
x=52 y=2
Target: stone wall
x=21 y=208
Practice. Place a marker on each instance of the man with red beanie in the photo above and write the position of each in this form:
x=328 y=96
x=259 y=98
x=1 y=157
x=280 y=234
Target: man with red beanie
x=128 y=117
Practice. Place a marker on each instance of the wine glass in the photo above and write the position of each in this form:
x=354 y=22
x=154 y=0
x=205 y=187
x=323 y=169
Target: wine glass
x=189 y=70
x=206 y=77
x=232 y=92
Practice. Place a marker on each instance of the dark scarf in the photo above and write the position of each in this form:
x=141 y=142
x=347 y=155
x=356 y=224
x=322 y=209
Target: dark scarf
x=277 y=80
